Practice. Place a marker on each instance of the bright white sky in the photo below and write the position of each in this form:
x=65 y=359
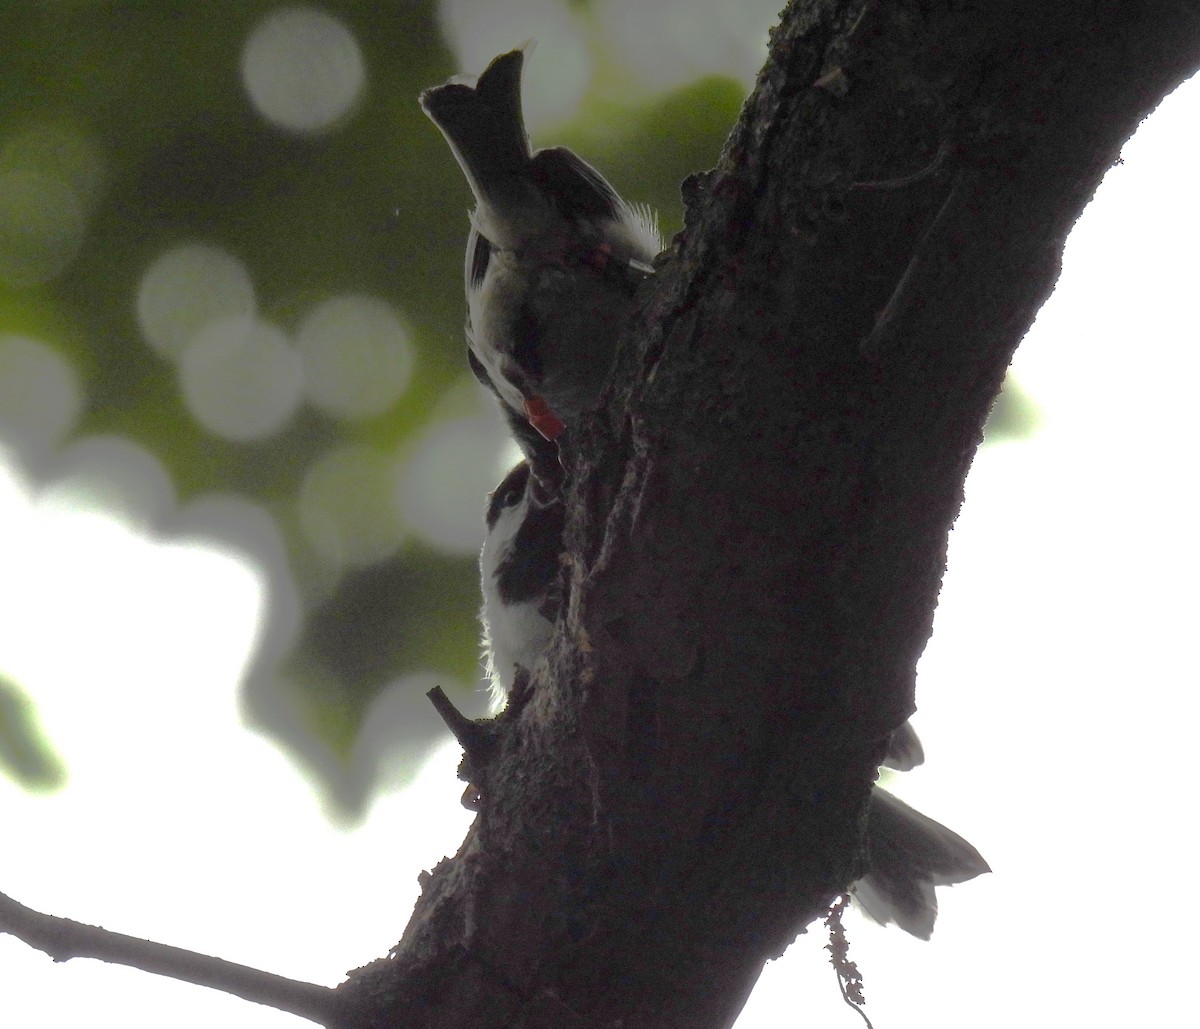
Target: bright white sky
x=1057 y=706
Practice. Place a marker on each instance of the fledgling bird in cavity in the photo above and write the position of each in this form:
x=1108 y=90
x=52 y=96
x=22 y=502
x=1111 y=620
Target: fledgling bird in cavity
x=553 y=259
x=909 y=853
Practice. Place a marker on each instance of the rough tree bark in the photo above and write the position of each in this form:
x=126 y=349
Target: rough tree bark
x=758 y=518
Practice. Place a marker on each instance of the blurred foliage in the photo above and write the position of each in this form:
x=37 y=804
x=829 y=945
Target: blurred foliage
x=25 y=754
x=142 y=110
x=171 y=151
x=1014 y=416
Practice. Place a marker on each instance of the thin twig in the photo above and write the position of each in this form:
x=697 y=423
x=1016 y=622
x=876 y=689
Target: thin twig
x=478 y=741
x=472 y=736
x=63 y=939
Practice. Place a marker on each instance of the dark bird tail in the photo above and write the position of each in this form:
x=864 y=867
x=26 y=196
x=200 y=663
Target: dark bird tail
x=484 y=126
x=909 y=854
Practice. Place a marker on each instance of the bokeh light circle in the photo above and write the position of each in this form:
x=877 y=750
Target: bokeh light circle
x=185 y=288
x=444 y=485
x=115 y=475
x=555 y=80
x=41 y=398
x=347 y=506
x=357 y=356
x=302 y=69
x=58 y=150
x=41 y=227
x=664 y=45
x=50 y=177
x=241 y=378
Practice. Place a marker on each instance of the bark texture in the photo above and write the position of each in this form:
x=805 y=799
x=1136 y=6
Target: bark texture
x=758 y=518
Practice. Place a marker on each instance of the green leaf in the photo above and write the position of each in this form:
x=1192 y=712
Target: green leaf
x=26 y=756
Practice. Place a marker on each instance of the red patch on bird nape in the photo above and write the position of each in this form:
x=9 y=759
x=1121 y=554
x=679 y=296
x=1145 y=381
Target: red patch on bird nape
x=542 y=418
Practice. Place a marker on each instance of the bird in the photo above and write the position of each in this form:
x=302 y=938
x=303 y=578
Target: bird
x=554 y=258
x=909 y=854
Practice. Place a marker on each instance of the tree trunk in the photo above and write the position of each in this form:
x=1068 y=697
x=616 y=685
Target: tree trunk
x=757 y=519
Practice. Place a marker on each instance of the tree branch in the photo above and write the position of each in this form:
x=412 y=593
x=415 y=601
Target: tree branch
x=63 y=939
x=757 y=517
